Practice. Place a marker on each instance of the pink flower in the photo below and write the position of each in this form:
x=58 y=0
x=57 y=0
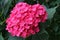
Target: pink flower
x=24 y=18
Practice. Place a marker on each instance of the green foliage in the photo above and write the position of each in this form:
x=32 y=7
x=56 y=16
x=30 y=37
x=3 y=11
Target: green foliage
x=50 y=30
x=1 y=38
x=51 y=12
x=15 y=38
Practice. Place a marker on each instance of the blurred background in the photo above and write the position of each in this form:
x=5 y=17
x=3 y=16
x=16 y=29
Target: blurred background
x=50 y=30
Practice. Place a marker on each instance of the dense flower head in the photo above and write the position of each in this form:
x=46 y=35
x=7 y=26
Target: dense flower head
x=24 y=18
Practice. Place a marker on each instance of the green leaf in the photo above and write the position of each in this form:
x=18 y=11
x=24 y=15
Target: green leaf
x=15 y=38
x=45 y=24
x=42 y=35
x=31 y=1
x=5 y=2
x=58 y=1
x=51 y=12
x=6 y=7
x=55 y=28
x=41 y=2
x=1 y=38
x=18 y=1
x=35 y=37
x=28 y=38
x=1 y=23
x=1 y=4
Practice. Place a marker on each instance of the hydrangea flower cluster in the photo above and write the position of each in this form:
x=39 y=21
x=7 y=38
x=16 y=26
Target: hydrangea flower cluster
x=24 y=18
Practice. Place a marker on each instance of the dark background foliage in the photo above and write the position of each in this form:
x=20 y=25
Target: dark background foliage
x=50 y=30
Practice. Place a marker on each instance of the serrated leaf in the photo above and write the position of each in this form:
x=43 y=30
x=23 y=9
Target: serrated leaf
x=51 y=12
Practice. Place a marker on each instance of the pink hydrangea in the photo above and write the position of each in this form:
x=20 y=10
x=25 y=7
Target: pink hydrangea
x=24 y=18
